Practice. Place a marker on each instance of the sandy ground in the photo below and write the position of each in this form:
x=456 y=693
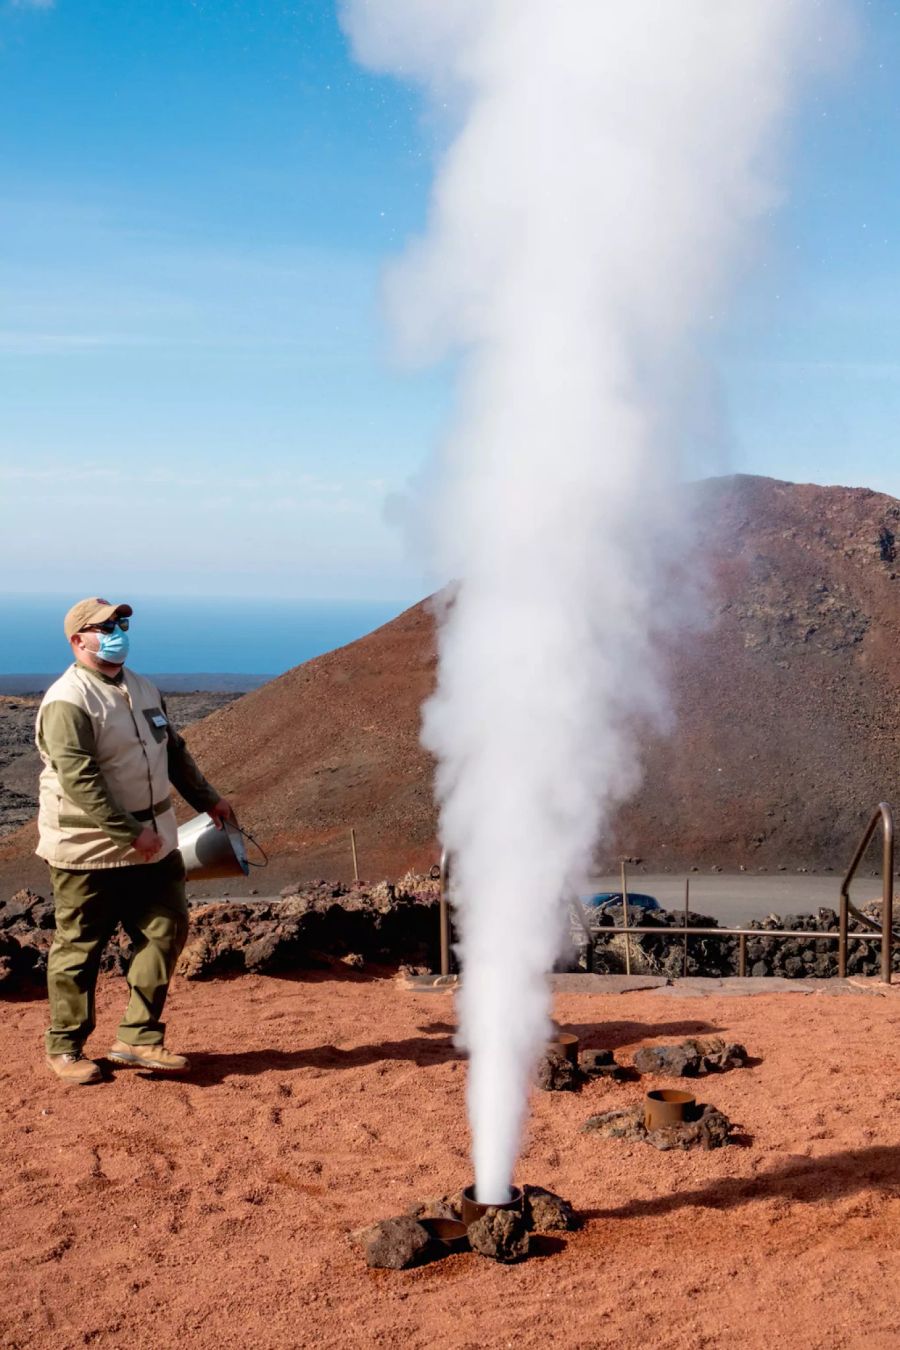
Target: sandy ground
x=214 y=1212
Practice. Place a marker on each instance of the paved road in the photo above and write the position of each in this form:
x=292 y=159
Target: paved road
x=735 y=899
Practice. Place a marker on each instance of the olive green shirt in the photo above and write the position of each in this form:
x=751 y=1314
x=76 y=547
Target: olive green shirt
x=67 y=738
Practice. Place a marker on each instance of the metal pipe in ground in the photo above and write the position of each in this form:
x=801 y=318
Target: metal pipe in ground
x=473 y=1209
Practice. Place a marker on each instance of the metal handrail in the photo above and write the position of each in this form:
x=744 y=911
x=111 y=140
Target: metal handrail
x=888 y=934
x=742 y=934
x=884 y=816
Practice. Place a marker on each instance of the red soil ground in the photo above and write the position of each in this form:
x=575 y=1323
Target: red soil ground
x=214 y=1212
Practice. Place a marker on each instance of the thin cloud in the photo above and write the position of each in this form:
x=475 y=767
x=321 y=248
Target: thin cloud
x=43 y=344
x=59 y=473
x=319 y=495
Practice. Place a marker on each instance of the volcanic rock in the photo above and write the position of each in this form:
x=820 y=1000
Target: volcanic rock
x=500 y=1234
x=326 y=922
x=444 y=1207
x=710 y=1128
x=27 y=904
x=545 y=1212
x=557 y=1073
x=689 y=1058
x=628 y=1124
x=601 y=1064
x=392 y=1244
x=327 y=925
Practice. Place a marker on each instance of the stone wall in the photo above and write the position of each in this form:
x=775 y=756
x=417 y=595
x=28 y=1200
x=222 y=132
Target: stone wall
x=324 y=924
x=806 y=957
x=391 y=925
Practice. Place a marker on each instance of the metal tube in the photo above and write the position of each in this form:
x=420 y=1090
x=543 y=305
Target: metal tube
x=445 y=914
x=742 y=955
x=809 y=933
x=884 y=817
x=887 y=891
x=687 y=898
x=625 y=921
x=858 y=855
x=355 y=859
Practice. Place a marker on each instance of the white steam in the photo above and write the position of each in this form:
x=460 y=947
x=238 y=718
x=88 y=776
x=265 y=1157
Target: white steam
x=608 y=159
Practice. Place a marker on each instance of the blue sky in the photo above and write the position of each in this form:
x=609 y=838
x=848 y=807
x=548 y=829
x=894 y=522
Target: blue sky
x=196 y=199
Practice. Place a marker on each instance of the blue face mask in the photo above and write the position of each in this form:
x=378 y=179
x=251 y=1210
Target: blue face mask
x=113 y=646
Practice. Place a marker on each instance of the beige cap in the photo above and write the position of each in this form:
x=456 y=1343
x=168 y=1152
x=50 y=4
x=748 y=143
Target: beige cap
x=90 y=611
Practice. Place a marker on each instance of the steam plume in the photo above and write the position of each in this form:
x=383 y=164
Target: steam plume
x=607 y=160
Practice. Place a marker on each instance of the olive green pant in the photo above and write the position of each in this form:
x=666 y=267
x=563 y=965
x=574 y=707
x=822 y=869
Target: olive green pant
x=148 y=900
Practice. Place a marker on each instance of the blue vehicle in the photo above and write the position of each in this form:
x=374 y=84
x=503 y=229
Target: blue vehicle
x=603 y=901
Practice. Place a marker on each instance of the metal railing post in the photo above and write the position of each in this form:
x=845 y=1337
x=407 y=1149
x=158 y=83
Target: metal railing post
x=625 y=921
x=742 y=955
x=355 y=858
x=887 y=891
x=687 y=902
x=885 y=817
x=445 y=914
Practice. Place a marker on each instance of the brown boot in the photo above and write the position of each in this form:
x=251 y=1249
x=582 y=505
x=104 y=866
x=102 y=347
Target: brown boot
x=74 y=1068
x=148 y=1057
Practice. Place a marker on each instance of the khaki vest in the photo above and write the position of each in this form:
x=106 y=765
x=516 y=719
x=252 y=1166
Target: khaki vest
x=132 y=755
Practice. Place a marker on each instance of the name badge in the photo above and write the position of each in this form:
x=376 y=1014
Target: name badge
x=158 y=720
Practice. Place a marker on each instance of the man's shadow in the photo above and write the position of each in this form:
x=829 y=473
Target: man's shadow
x=208 y=1069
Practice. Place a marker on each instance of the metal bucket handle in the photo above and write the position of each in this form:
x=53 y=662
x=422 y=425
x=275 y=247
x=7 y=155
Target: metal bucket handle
x=232 y=824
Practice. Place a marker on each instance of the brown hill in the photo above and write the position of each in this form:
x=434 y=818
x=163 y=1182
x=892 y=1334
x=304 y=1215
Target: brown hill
x=788 y=706
x=787 y=710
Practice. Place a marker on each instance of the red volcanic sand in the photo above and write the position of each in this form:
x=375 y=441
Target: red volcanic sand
x=215 y=1211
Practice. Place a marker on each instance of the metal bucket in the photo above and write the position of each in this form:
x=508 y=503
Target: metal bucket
x=210 y=853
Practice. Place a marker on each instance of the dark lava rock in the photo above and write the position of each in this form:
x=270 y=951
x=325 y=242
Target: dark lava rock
x=688 y=1059
x=260 y=954
x=627 y=1124
x=545 y=1212
x=500 y=1234
x=709 y=1128
x=675 y=1061
x=325 y=922
x=393 y=1244
x=557 y=1073
x=600 y=1064
x=443 y=1207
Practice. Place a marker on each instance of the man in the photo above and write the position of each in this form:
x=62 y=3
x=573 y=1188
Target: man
x=107 y=829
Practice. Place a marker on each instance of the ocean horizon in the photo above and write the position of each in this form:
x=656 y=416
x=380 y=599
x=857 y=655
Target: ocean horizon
x=237 y=642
